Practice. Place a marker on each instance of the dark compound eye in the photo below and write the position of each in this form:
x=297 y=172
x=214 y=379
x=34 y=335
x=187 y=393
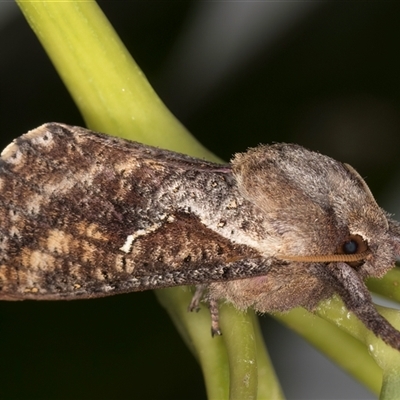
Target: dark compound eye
x=354 y=244
x=350 y=247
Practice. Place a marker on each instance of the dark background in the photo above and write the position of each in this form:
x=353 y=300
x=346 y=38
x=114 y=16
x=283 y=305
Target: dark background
x=324 y=75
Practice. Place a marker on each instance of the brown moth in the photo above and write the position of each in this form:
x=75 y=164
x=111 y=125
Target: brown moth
x=85 y=215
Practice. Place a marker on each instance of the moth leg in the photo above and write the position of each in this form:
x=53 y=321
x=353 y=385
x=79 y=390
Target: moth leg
x=212 y=305
x=357 y=299
x=214 y=311
x=197 y=296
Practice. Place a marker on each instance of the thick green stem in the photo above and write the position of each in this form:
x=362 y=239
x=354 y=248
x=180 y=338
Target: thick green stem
x=268 y=384
x=388 y=286
x=346 y=351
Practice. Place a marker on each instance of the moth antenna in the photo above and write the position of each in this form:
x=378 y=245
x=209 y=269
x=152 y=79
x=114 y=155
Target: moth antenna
x=344 y=258
x=357 y=299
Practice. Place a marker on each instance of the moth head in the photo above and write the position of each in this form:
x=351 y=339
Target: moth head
x=317 y=209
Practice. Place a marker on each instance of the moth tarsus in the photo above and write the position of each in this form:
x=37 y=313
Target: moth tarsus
x=214 y=312
x=85 y=215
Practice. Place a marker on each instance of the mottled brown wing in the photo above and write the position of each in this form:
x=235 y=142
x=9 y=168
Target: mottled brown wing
x=85 y=215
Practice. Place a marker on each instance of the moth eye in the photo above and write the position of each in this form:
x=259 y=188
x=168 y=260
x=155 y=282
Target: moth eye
x=354 y=244
x=350 y=247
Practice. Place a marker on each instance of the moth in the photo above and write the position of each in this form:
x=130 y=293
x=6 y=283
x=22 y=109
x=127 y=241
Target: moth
x=85 y=215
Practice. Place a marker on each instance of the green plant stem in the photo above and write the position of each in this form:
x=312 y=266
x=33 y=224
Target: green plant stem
x=268 y=384
x=391 y=385
x=387 y=358
x=241 y=349
x=346 y=351
x=388 y=286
